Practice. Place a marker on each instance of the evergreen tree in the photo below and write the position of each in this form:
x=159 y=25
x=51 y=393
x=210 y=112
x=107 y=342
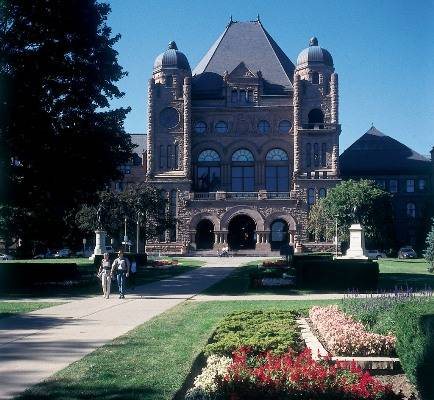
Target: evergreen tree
x=60 y=143
x=429 y=251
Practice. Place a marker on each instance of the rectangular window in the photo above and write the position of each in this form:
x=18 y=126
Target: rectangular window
x=422 y=184
x=410 y=185
x=381 y=183
x=243 y=97
x=163 y=157
x=250 y=96
x=234 y=96
x=316 y=155
x=393 y=186
x=323 y=154
x=308 y=155
x=176 y=155
x=169 y=157
x=243 y=179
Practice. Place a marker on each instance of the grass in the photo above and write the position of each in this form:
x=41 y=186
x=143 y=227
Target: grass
x=10 y=308
x=151 y=362
x=393 y=272
x=89 y=284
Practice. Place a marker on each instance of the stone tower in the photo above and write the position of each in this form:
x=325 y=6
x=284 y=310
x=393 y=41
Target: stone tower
x=169 y=116
x=316 y=122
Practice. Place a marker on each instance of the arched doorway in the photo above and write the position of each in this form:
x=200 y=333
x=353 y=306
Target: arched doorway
x=241 y=233
x=204 y=235
x=278 y=234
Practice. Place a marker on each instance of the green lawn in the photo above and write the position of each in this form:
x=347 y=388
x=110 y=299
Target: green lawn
x=89 y=284
x=153 y=361
x=393 y=272
x=9 y=308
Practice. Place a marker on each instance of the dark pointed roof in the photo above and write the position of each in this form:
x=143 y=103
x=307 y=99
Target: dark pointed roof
x=250 y=43
x=375 y=153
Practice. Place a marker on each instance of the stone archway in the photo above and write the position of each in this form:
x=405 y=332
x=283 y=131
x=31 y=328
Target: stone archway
x=242 y=210
x=241 y=232
x=204 y=237
x=288 y=219
x=278 y=234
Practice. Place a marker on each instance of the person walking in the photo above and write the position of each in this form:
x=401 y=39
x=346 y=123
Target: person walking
x=121 y=266
x=133 y=271
x=105 y=273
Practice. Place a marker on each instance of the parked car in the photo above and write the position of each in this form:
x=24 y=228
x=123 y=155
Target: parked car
x=375 y=254
x=63 y=253
x=406 y=252
x=5 y=257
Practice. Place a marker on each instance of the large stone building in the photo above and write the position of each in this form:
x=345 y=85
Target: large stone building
x=244 y=143
x=407 y=175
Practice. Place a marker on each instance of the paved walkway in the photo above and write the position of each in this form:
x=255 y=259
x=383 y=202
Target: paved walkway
x=35 y=345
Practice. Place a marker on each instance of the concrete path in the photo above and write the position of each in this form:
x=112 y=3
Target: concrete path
x=35 y=345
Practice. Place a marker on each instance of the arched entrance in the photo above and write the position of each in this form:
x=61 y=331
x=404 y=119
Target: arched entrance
x=278 y=234
x=241 y=233
x=204 y=235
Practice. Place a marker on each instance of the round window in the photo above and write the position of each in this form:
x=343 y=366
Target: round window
x=284 y=126
x=200 y=127
x=221 y=127
x=263 y=127
x=169 y=117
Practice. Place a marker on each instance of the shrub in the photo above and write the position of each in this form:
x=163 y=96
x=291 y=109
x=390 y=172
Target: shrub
x=289 y=376
x=337 y=274
x=347 y=337
x=415 y=344
x=275 y=331
x=23 y=275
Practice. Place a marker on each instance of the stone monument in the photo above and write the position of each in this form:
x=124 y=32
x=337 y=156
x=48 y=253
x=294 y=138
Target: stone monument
x=357 y=249
x=100 y=234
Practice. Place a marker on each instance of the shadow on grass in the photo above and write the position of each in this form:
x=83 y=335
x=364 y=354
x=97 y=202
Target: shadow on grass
x=415 y=281
x=70 y=390
x=196 y=368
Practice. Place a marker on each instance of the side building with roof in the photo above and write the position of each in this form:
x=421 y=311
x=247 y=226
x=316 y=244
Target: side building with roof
x=407 y=175
x=242 y=145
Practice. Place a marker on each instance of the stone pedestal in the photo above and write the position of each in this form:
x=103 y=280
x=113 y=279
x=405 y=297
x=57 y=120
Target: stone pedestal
x=357 y=243
x=100 y=237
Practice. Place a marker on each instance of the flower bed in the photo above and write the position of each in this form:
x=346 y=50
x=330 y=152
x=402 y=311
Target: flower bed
x=164 y=263
x=269 y=376
x=275 y=264
x=344 y=336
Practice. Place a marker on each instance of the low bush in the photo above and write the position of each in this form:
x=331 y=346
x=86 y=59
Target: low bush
x=24 y=275
x=286 y=376
x=299 y=258
x=415 y=344
x=337 y=274
x=275 y=331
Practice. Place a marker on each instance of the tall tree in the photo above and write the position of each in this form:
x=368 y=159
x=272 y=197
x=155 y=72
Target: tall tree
x=60 y=143
x=355 y=202
x=429 y=250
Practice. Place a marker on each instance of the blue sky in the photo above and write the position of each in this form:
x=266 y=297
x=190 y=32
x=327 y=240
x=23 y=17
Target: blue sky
x=382 y=50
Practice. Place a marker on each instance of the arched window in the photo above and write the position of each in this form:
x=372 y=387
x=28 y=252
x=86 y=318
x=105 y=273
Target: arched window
x=221 y=127
x=323 y=154
x=311 y=196
x=411 y=210
x=243 y=171
x=315 y=78
x=316 y=155
x=316 y=117
x=284 y=126
x=264 y=127
x=277 y=171
x=308 y=155
x=199 y=127
x=322 y=193
x=208 y=171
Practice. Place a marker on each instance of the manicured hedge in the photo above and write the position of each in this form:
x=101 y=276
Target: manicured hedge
x=22 y=275
x=337 y=274
x=141 y=258
x=415 y=344
x=275 y=331
x=301 y=258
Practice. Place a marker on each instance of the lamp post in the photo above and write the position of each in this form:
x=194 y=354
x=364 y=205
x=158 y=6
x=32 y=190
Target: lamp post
x=84 y=247
x=336 y=235
x=139 y=214
x=125 y=234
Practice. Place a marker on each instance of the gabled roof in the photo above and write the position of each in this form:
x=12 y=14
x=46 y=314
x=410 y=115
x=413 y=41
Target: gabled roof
x=250 y=43
x=375 y=153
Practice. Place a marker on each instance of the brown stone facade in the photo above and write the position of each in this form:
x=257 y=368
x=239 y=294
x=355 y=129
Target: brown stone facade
x=249 y=167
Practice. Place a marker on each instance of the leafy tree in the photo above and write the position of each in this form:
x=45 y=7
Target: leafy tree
x=115 y=206
x=355 y=202
x=429 y=250
x=59 y=141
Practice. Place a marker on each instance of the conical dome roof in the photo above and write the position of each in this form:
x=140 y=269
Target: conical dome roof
x=171 y=58
x=314 y=54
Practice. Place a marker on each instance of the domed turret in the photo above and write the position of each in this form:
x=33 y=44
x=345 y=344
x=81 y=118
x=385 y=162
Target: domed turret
x=314 y=54
x=172 y=58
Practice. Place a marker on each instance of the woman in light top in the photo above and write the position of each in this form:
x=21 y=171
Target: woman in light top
x=105 y=273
